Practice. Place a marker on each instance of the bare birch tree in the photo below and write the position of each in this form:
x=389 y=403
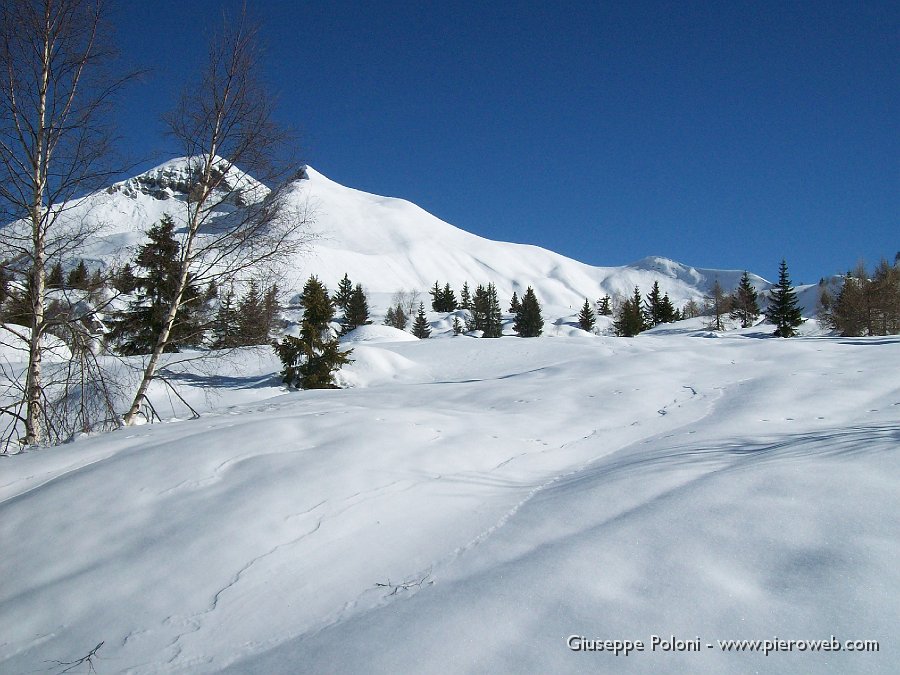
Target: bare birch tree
x=54 y=146
x=233 y=220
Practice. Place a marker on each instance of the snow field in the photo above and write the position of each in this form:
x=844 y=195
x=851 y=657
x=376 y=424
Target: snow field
x=506 y=493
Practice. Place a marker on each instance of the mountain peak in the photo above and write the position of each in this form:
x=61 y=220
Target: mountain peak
x=176 y=178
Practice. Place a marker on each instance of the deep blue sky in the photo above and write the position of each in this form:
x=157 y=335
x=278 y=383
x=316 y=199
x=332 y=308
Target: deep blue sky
x=720 y=134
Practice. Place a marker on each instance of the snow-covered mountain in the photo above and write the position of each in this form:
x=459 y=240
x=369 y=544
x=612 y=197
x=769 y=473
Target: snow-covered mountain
x=388 y=244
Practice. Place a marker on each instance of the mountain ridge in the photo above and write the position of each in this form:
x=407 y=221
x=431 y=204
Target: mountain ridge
x=389 y=243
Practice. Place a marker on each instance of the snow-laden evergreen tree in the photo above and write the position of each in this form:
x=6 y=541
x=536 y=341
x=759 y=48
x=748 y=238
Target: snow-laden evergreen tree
x=357 y=312
x=458 y=328
x=783 y=310
x=745 y=302
x=529 y=321
x=421 y=329
x=311 y=360
x=344 y=290
x=586 y=319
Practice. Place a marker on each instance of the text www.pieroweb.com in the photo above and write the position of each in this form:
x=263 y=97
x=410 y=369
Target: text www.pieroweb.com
x=580 y=643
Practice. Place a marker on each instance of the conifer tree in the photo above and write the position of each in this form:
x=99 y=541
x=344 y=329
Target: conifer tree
x=55 y=278
x=603 y=307
x=225 y=323
x=783 y=310
x=421 y=329
x=344 y=291
x=95 y=282
x=212 y=291
x=630 y=320
x=357 y=313
x=493 y=323
x=586 y=319
x=389 y=317
x=396 y=317
x=436 y=298
x=78 y=276
x=465 y=298
x=486 y=314
x=744 y=302
x=311 y=359
x=124 y=280
x=667 y=311
x=253 y=329
x=514 y=305
x=4 y=285
x=448 y=298
x=653 y=306
x=529 y=322
x=137 y=329
x=457 y=326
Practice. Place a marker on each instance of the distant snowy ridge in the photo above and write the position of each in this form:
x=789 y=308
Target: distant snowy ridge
x=388 y=244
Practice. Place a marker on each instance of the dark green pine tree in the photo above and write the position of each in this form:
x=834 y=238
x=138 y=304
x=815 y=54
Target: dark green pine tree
x=744 y=303
x=55 y=279
x=529 y=321
x=436 y=300
x=465 y=297
x=78 y=276
x=421 y=329
x=5 y=278
x=253 y=329
x=458 y=328
x=448 y=299
x=486 y=314
x=124 y=280
x=344 y=291
x=586 y=319
x=653 y=305
x=630 y=321
x=604 y=308
x=271 y=309
x=225 y=323
x=494 y=319
x=667 y=311
x=137 y=330
x=357 y=313
x=783 y=310
x=514 y=305
x=311 y=359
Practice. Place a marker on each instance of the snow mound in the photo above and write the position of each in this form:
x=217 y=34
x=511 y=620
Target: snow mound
x=372 y=365
x=375 y=333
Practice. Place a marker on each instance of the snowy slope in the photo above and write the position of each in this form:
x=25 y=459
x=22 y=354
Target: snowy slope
x=467 y=506
x=388 y=244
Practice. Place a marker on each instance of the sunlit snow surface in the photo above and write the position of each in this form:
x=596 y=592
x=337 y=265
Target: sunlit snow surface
x=467 y=505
